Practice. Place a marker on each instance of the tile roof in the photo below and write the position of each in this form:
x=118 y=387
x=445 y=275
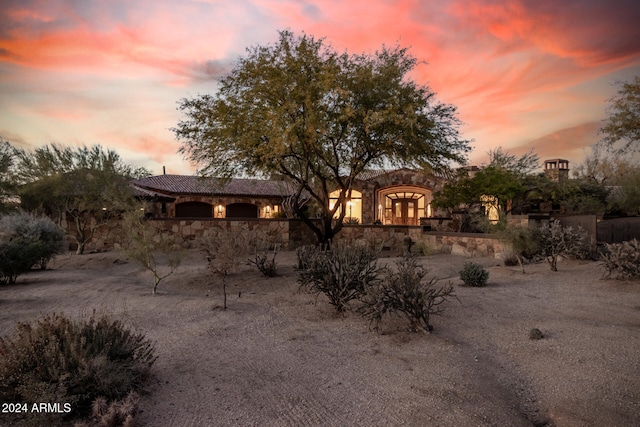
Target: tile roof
x=187 y=184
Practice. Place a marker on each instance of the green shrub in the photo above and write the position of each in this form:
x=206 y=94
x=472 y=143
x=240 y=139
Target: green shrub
x=405 y=293
x=25 y=241
x=473 y=274
x=342 y=273
x=57 y=359
x=622 y=260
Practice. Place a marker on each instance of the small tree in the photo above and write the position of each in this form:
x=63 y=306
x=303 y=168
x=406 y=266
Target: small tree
x=143 y=242
x=225 y=251
x=557 y=241
x=405 y=293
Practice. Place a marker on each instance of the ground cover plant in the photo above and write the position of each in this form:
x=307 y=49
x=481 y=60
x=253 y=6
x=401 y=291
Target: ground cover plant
x=72 y=362
x=342 y=273
x=405 y=293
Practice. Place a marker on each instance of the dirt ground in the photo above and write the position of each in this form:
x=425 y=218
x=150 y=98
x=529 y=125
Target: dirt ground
x=280 y=357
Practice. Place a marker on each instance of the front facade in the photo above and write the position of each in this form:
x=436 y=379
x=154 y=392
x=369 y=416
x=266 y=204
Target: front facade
x=400 y=196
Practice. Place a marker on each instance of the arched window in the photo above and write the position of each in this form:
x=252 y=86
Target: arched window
x=403 y=205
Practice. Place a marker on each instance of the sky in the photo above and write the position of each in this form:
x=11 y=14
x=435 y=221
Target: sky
x=523 y=73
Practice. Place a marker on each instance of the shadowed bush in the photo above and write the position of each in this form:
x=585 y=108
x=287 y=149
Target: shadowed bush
x=342 y=273
x=57 y=359
x=622 y=260
x=26 y=241
x=406 y=294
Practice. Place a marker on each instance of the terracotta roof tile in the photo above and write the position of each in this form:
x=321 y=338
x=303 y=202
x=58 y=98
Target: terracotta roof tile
x=186 y=184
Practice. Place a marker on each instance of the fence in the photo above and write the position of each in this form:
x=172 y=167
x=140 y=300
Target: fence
x=615 y=230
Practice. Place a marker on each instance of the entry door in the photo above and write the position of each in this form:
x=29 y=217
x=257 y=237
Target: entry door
x=404 y=211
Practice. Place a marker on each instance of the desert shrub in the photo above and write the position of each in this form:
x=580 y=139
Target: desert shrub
x=351 y=221
x=622 y=260
x=421 y=248
x=57 y=359
x=342 y=273
x=305 y=254
x=473 y=274
x=405 y=293
x=557 y=241
x=25 y=241
x=524 y=243
x=266 y=262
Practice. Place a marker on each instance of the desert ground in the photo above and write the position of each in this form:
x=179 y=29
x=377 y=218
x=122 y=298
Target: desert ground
x=281 y=357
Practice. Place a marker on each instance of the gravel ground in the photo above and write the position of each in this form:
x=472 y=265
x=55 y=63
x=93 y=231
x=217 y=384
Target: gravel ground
x=281 y=357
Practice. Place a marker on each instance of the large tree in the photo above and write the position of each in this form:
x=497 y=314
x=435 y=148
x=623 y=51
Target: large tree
x=623 y=125
x=301 y=110
x=81 y=187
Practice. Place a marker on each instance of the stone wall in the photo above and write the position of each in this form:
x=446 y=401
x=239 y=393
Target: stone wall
x=293 y=233
x=393 y=238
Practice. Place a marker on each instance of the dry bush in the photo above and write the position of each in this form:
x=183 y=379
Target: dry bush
x=57 y=359
x=557 y=241
x=342 y=273
x=622 y=260
x=405 y=293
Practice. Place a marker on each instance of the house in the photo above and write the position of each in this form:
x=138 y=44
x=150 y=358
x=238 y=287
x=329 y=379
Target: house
x=397 y=196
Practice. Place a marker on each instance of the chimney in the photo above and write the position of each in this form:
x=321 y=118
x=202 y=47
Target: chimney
x=164 y=170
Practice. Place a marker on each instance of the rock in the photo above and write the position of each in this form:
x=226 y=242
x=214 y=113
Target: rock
x=535 y=334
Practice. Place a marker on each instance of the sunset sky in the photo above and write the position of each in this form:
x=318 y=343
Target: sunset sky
x=523 y=74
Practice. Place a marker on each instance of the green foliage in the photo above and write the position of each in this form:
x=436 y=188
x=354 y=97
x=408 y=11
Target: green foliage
x=404 y=293
x=143 y=242
x=622 y=260
x=623 y=125
x=301 y=110
x=25 y=241
x=87 y=186
x=557 y=241
x=473 y=274
x=57 y=359
x=342 y=273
